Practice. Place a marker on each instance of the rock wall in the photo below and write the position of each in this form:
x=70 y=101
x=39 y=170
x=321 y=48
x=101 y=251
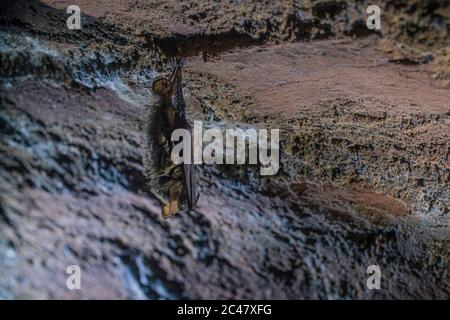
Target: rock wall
x=364 y=175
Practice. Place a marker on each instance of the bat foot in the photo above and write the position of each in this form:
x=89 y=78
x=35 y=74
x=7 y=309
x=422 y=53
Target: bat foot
x=166 y=211
x=181 y=62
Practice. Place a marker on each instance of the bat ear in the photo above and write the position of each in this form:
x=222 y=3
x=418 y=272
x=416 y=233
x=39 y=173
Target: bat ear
x=160 y=85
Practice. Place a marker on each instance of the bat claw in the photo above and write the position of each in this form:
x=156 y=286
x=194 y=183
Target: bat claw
x=181 y=62
x=173 y=63
x=196 y=200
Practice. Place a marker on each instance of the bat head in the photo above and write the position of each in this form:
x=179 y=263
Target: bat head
x=161 y=86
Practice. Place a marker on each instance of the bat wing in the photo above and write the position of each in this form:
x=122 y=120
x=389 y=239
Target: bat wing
x=190 y=179
x=180 y=106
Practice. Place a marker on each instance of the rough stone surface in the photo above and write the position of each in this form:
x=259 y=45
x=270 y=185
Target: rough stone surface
x=365 y=130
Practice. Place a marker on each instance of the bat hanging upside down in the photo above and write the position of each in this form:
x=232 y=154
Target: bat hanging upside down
x=174 y=185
